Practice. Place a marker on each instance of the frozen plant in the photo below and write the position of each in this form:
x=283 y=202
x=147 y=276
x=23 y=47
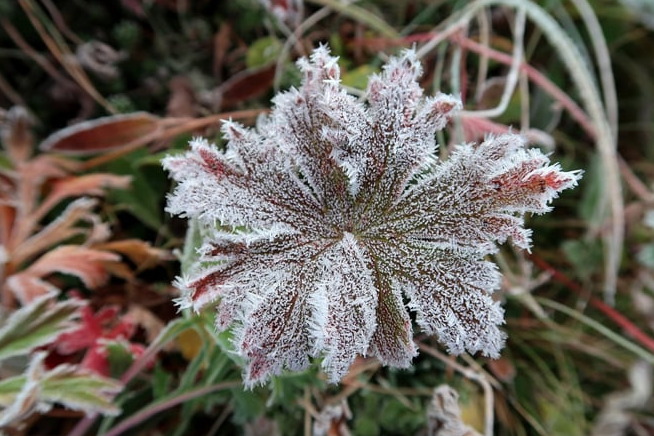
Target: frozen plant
x=320 y=222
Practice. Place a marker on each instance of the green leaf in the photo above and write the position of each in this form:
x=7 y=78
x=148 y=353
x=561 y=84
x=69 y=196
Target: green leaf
x=76 y=390
x=263 y=51
x=592 y=207
x=585 y=255
x=161 y=381
x=39 y=389
x=247 y=405
x=119 y=356
x=10 y=388
x=358 y=77
x=37 y=324
x=146 y=190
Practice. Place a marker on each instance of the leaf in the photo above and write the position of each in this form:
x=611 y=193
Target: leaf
x=358 y=77
x=77 y=186
x=85 y=185
x=80 y=391
x=59 y=229
x=263 y=52
x=120 y=357
x=87 y=264
x=190 y=343
x=341 y=213
x=146 y=188
x=246 y=85
x=102 y=134
x=142 y=253
x=20 y=394
x=36 y=324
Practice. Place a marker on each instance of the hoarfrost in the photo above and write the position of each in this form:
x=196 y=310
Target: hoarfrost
x=342 y=207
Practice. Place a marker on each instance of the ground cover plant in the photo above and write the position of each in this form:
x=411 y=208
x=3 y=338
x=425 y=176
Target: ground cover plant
x=361 y=187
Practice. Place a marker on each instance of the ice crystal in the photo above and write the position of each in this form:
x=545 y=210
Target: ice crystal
x=330 y=215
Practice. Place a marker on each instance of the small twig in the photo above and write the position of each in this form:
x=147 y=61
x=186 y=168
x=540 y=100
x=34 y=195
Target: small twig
x=634 y=183
x=61 y=52
x=11 y=95
x=33 y=54
x=60 y=22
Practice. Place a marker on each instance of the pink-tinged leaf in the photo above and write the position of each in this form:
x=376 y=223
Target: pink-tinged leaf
x=105 y=323
x=139 y=252
x=102 y=134
x=77 y=186
x=344 y=213
x=87 y=264
x=95 y=332
x=28 y=288
x=59 y=230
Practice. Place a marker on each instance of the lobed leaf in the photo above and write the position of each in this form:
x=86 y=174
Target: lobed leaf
x=340 y=210
x=38 y=323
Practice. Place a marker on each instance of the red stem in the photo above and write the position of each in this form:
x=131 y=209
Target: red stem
x=610 y=312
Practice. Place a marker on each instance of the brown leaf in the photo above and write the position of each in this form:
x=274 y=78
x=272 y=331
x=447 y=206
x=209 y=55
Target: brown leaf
x=102 y=134
x=502 y=368
x=138 y=251
x=25 y=192
x=181 y=102
x=7 y=217
x=221 y=42
x=247 y=84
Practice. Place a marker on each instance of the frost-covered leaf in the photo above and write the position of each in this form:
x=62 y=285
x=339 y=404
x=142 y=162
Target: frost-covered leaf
x=36 y=324
x=340 y=210
x=38 y=389
x=80 y=390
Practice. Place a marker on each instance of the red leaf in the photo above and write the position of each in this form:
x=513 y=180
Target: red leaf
x=247 y=84
x=102 y=134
